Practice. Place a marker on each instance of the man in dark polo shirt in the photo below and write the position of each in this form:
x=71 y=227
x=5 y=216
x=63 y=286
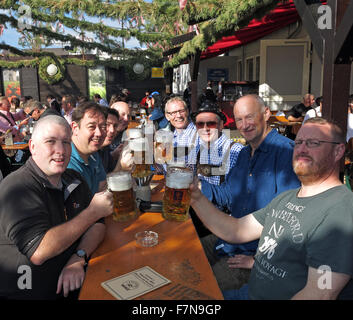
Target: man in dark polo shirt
x=49 y=222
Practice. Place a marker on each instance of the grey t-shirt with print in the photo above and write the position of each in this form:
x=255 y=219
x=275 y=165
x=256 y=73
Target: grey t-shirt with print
x=312 y=231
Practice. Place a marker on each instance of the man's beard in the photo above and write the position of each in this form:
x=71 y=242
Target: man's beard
x=309 y=172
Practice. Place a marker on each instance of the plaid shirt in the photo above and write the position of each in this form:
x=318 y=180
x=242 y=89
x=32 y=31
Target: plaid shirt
x=215 y=155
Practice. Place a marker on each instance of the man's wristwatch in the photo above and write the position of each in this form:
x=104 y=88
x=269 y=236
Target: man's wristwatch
x=82 y=254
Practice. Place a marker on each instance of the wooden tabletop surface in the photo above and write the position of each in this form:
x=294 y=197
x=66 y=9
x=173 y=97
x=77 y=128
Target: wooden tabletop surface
x=179 y=257
x=20 y=146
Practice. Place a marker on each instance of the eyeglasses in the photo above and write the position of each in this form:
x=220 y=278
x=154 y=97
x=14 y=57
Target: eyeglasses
x=174 y=113
x=30 y=113
x=313 y=143
x=209 y=124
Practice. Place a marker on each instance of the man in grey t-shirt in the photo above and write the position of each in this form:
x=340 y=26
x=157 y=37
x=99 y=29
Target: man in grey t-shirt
x=306 y=235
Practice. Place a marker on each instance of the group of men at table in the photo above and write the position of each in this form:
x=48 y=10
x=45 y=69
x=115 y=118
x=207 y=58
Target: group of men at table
x=289 y=218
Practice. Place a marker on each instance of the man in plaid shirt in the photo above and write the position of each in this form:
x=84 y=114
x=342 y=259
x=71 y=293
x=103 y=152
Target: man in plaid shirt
x=185 y=134
x=215 y=153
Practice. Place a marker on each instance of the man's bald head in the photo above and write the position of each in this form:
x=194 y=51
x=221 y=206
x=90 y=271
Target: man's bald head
x=49 y=120
x=124 y=114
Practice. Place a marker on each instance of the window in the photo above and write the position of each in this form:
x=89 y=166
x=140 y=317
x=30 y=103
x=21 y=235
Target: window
x=257 y=68
x=11 y=84
x=240 y=70
x=250 y=69
x=96 y=82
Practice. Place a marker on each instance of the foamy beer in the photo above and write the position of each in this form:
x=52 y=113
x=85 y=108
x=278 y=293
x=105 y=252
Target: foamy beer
x=163 y=146
x=176 y=200
x=134 y=133
x=138 y=149
x=120 y=184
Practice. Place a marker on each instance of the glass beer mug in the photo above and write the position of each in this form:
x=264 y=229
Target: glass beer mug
x=176 y=200
x=163 y=146
x=138 y=149
x=120 y=184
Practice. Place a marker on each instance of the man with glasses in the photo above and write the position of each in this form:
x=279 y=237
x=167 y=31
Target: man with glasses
x=185 y=134
x=262 y=171
x=306 y=234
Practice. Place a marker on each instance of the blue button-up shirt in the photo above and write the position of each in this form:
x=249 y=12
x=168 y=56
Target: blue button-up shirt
x=253 y=182
x=93 y=172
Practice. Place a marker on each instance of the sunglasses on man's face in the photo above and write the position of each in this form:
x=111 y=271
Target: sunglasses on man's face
x=209 y=124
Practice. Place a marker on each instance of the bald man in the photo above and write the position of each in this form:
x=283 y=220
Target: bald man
x=124 y=120
x=49 y=222
x=262 y=171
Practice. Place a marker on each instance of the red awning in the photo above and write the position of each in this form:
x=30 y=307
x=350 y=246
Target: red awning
x=278 y=18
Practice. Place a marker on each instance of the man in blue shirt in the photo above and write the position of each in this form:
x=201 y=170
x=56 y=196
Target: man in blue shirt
x=88 y=134
x=263 y=170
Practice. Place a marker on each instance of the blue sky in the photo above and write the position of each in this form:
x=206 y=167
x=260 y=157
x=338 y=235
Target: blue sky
x=10 y=36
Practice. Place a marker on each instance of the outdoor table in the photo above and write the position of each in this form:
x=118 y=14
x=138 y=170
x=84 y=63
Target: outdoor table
x=133 y=124
x=15 y=146
x=178 y=256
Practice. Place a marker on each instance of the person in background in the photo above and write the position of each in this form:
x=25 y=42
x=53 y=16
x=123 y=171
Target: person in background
x=127 y=94
x=157 y=115
x=315 y=112
x=24 y=100
x=5 y=166
x=52 y=228
x=143 y=102
x=98 y=99
x=68 y=104
x=8 y=120
x=53 y=103
x=297 y=114
x=15 y=104
x=187 y=95
x=80 y=99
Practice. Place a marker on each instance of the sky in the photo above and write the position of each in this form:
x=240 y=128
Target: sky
x=10 y=36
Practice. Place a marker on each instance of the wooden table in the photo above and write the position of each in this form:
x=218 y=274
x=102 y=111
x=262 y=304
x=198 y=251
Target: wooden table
x=179 y=257
x=134 y=124
x=20 y=146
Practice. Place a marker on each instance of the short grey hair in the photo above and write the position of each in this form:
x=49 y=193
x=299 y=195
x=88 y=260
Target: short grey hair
x=257 y=98
x=175 y=99
x=50 y=119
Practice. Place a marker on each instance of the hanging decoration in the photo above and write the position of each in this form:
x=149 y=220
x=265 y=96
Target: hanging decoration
x=51 y=71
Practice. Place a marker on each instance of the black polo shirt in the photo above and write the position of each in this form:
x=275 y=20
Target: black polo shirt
x=29 y=207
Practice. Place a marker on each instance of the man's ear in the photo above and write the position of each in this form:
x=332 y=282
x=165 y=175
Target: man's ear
x=31 y=146
x=339 y=151
x=267 y=113
x=74 y=127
